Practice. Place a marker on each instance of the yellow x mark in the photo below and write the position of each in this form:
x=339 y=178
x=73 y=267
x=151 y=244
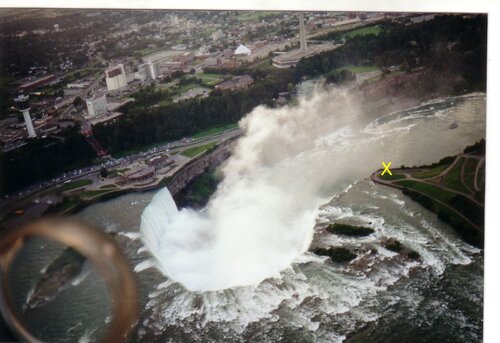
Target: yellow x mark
x=386 y=168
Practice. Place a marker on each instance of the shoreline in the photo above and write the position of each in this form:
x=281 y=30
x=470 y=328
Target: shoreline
x=175 y=182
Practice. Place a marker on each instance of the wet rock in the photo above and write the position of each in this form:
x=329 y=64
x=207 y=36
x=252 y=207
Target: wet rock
x=349 y=230
x=338 y=254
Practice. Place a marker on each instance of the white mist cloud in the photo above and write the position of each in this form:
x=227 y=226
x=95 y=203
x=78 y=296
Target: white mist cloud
x=262 y=215
x=289 y=161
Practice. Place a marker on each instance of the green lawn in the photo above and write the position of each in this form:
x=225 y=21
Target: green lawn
x=359 y=69
x=187 y=87
x=197 y=150
x=427 y=189
x=147 y=51
x=386 y=176
x=88 y=71
x=199 y=190
x=110 y=186
x=64 y=206
x=375 y=29
x=453 y=180
x=459 y=202
x=262 y=64
x=74 y=184
x=165 y=102
x=470 y=171
x=114 y=172
x=210 y=79
x=480 y=176
x=214 y=130
x=91 y=194
x=430 y=173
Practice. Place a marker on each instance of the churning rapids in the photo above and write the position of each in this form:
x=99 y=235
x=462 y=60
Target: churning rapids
x=289 y=161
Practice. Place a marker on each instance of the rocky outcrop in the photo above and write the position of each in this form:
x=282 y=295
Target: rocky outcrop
x=194 y=168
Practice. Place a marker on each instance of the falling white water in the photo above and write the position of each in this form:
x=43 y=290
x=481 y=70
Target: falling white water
x=286 y=165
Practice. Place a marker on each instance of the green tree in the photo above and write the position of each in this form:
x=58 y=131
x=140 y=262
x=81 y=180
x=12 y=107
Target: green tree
x=325 y=64
x=104 y=172
x=77 y=102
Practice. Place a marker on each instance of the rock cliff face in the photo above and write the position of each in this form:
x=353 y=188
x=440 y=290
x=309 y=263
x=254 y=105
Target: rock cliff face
x=198 y=166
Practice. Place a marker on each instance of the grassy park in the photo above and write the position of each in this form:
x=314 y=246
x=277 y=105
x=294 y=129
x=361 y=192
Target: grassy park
x=367 y=30
x=214 y=130
x=452 y=188
x=192 y=152
x=74 y=184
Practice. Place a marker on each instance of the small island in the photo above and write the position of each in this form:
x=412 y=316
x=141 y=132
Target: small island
x=336 y=254
x=395 y=246
x=349 y=230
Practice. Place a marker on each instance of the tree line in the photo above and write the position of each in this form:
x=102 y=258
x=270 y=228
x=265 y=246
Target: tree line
x=144 y=122
x=453 y=45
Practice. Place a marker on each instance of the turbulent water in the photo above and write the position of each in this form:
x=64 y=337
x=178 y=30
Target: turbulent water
x=379 y=297
x=286 y=164
x=301 y=155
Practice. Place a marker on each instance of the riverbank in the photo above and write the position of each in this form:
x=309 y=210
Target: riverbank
x=453 y=188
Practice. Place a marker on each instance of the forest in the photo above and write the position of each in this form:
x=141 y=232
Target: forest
x=448 y=45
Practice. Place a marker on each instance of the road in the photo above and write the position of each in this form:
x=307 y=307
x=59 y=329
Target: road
x=407 y=174
x=375 y=177
x=116 y=163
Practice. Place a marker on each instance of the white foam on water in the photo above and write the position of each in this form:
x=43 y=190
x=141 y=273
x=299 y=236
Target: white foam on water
x=131 y=235
x=242 y=260
x=144 y=265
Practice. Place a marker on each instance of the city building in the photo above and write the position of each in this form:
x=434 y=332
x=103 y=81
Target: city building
x=185 y=58
x=97 y=105
x=115 y=77
x=291 y=58
x=56 y=27
x=160 y=162
x=152 y=70
x=211 y=61
x=179 y=47
x=78 y=85
x=43 y=81
x=174 y=20
x=302 y=32
x=217 y=35
x=23 y=106
x=138 y=174
x=141 y=74
x=235 y=83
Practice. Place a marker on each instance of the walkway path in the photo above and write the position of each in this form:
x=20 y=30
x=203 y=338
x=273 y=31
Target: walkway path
x=407 y=173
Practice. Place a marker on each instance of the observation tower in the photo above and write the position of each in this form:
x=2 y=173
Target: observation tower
x=23 y=105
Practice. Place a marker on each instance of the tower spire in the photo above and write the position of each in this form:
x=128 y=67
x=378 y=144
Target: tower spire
x=23 y=106
x=303 y=42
